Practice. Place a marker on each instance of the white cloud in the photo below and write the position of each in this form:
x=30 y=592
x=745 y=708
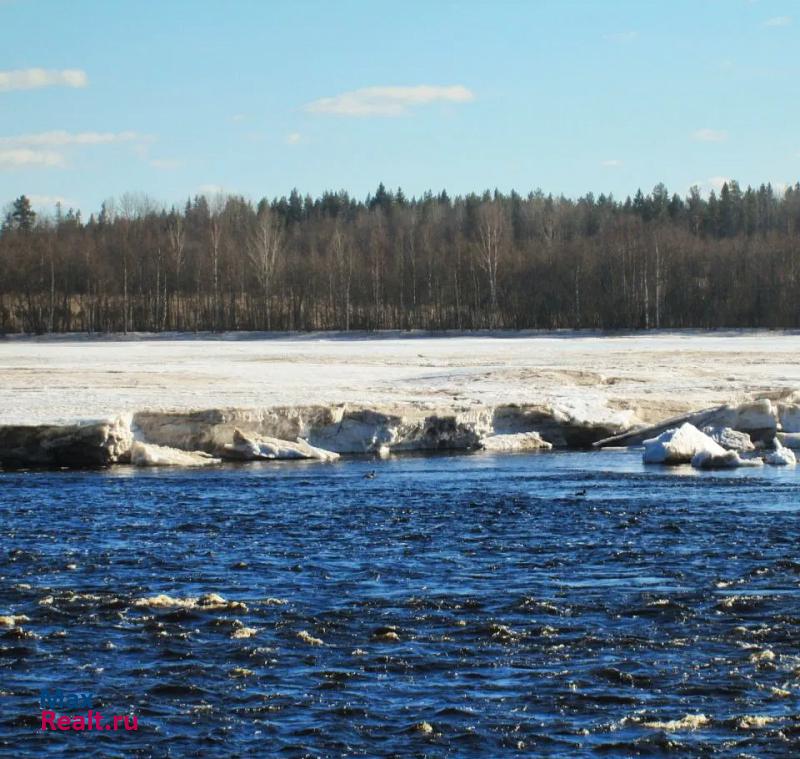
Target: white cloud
x=778 y=21
x=165 y=164
x=31 y=79
x=709 y=135
x=628 y=36
x=238 y=117
x=388 y=101
x=293 y=138
x=611 y=163
x=16 y=157
x=61 y=138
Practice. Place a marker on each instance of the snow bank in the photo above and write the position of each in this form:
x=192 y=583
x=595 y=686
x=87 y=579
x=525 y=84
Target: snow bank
x=257 y=448
x=74 y=445
x=147 y=454
x=342 y=428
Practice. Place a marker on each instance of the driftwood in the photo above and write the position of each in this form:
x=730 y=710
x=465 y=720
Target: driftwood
x=637 y=436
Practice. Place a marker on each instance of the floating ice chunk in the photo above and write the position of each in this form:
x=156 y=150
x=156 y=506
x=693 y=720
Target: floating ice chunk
x=256 y=447
x=680 y=446
x=730 y=439
x=727 y=460
x=781 y=456
x=147 y=454
x=520 y=441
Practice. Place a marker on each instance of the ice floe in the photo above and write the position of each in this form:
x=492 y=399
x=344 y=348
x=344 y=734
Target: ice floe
x=730 y=439
x=680 y=446
x=149 y=454
x=687 y=444
x=254 y=447
x=515 y=442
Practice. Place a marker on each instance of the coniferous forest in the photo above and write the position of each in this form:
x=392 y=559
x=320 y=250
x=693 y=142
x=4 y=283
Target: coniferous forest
x=657 y=260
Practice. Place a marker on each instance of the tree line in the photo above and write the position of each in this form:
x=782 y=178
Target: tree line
x=489 y=260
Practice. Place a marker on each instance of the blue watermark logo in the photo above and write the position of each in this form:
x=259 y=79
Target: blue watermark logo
x=59 y=700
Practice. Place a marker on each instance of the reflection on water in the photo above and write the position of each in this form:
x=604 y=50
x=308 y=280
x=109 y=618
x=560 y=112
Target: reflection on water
x=556 y=604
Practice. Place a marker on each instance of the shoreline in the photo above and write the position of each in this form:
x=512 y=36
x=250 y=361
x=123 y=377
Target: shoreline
x=61 y=396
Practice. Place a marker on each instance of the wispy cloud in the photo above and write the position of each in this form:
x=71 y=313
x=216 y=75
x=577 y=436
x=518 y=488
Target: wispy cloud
x=627 y=36
x=388 y=101
x=293 y=138
x=238 y=117
x=61 y=138
x=710 y=135
x=12 y=158
x=777 y=21
x=611 y=163
x=32 y=79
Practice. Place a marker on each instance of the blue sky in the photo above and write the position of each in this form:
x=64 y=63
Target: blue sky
x=255 y=97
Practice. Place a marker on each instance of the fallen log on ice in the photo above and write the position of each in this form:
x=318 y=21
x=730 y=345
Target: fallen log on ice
x=704 y=418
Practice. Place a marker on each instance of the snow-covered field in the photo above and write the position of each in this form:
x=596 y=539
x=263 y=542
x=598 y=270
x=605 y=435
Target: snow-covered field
x=656 y=374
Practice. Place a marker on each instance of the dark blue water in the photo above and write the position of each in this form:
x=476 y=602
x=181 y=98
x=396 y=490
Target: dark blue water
x=476 y=606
